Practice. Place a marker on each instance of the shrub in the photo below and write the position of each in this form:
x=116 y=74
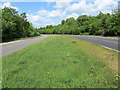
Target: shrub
x=100 y=32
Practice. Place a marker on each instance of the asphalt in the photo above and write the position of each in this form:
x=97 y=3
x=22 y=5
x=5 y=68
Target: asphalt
x=110 y=43
x=13 y=46
x=107 y=42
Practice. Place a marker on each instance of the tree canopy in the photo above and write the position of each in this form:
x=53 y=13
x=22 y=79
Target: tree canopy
x=15 y=25
x=102 y=24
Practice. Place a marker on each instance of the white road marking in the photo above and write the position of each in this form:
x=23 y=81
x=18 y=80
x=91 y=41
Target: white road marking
x=18 y=41
x=103 y=37
x=11 y=42
x=110 y=41
x=109 y=48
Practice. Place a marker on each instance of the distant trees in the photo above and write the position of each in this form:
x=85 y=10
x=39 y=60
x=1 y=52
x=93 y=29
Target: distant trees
x=15 y=25
x=102 y=24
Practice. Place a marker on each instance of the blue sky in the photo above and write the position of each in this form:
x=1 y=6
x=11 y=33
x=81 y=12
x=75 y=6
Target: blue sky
x=46 y=13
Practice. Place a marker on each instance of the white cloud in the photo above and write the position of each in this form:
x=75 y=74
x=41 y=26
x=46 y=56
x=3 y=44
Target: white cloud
x=62 y=9
x=43 y=12
x=29 y=10
x=45 y=17
x=57 y=0
x=76 y=7
x=105 y=5
x=40 y=21
x=62 y=4
x=55 y=13
x=52 y=14
x=84 y=14
x=7 y=4
x=73 y=15
x=92 y=8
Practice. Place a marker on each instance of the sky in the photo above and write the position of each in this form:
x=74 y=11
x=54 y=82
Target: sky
x=52 y=12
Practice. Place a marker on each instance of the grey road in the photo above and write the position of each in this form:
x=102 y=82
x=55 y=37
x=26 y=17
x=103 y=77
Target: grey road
x=16 y=45
x=111 y=43
x=107 y=42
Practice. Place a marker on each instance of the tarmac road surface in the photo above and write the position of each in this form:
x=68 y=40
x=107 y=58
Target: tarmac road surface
x=107 y=42
x=19 y=44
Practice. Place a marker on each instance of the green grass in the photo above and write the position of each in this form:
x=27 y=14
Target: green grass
x=58 y=62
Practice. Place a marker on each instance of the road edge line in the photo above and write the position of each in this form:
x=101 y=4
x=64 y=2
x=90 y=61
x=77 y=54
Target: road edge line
x=109 y=48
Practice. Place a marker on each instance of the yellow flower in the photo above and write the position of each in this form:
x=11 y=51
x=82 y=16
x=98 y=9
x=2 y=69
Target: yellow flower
x=48 y=72
x=97 y=77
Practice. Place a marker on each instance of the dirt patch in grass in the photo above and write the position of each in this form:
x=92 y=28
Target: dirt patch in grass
x=109 y=57
x=73 y=41
x=113 y=65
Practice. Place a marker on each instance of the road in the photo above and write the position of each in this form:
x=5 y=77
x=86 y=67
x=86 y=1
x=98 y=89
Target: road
x=19 y=44
x=107 y=42
x=111 y=43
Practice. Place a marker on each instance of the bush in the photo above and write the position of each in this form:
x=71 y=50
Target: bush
x=100 y=32
x=84 y=33
x=110 y=33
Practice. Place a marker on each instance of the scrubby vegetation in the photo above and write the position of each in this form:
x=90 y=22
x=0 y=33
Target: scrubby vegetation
x=102 y=24
x=16 y=25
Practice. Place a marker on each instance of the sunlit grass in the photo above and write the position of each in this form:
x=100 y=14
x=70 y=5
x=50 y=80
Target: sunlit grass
x=58 y=62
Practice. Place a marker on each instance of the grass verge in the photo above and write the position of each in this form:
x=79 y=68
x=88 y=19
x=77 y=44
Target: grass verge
x=60 y=62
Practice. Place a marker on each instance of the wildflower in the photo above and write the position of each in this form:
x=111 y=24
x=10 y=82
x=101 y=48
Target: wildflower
x=1 y=79
x=67 y=54
x=50 y=74
x=117 y=77
x=97 y=77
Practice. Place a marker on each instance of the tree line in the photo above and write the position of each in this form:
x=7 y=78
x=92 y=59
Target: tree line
x=102 y=24
x=16 y=25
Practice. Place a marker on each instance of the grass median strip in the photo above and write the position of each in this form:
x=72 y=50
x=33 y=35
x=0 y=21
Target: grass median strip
x=59 y=62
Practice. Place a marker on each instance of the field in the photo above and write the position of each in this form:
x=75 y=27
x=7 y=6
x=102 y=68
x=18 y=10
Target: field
x=61 y=62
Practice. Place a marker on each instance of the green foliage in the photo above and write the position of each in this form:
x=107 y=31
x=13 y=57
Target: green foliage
x=99 y=32
x=102 y=24
x=63 y=22
x=15 y=25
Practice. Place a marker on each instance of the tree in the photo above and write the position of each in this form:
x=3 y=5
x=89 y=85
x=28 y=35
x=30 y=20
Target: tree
x=63 y=22
x=15 y=25
x=102 y=24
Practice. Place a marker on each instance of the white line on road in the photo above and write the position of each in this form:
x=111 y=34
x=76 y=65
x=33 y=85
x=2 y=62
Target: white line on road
x=16 y=41
x=11 y=42
x=110 y=41
x=109 y=48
